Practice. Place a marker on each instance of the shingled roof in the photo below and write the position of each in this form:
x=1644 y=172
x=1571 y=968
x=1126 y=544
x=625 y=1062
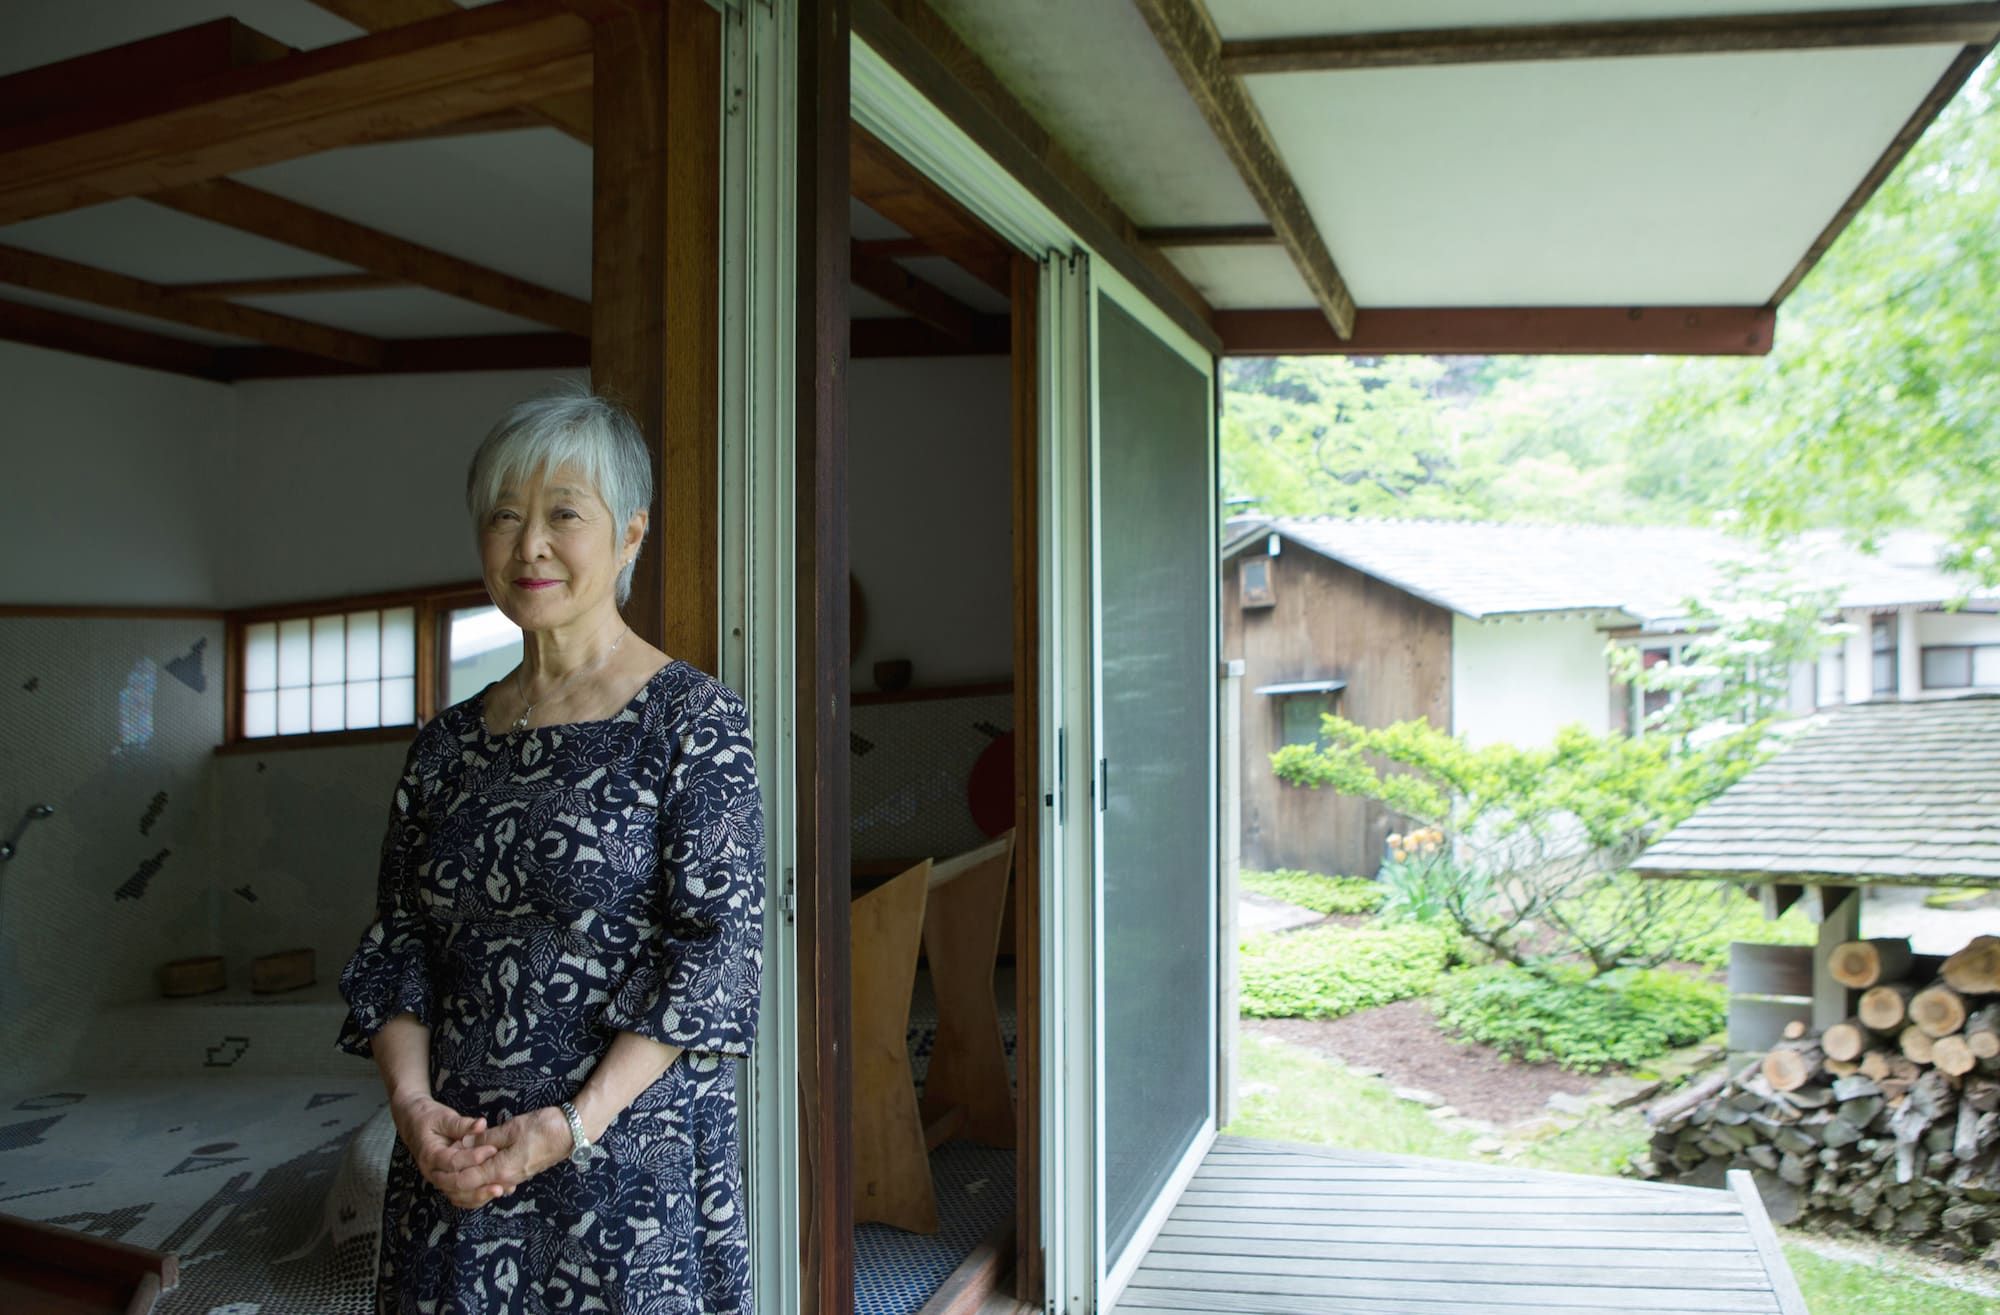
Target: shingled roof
x=1873 y=793
x=1486 y=568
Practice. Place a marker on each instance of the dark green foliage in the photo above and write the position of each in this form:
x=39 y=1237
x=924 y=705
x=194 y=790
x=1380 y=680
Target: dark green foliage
x=1564 y=1014
x=1327 y=971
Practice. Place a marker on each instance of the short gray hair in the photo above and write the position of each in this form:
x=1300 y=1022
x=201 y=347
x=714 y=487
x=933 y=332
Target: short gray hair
x=572 y=427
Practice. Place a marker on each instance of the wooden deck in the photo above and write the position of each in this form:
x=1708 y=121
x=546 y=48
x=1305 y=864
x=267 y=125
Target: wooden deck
x=1270 y=1228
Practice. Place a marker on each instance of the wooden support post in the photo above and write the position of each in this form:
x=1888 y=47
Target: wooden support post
x=655 y=297
x=821 y=749
x=1839 y=918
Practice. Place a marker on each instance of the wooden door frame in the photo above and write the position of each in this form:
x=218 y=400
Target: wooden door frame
x=824 y=853
x=824 y=702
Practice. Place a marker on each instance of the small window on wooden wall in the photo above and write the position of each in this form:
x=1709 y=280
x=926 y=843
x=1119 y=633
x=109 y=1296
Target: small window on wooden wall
x=1254 y=576
x=363 y=668
x=1299 y=714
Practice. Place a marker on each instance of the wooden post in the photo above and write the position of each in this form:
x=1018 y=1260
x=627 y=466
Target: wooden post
x=1229 y=817
x=1840 y=920
x=821 y=570
x=1026 y=427
x=655 y=297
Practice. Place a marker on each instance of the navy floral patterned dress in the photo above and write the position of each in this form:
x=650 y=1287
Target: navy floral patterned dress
x=541 y=890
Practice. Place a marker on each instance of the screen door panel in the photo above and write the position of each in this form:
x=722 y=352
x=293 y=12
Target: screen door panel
x=1155 y=686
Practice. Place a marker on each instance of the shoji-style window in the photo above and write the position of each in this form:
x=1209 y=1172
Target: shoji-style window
x=339 y=671
x=362 y=668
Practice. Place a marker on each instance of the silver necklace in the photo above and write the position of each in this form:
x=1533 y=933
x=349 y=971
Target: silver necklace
x=520 y=684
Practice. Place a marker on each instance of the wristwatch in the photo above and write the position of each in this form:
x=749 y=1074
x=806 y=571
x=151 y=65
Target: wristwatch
x=580 y=1149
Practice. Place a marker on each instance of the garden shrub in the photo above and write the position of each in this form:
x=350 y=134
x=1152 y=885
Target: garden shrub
x=1586 y=1023
x=1327 y=971
x=1311 y=890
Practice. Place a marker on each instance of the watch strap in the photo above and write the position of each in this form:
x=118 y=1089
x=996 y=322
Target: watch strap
x=579 y=1145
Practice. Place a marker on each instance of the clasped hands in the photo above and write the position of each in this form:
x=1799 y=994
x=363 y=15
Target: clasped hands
x=471 y=1163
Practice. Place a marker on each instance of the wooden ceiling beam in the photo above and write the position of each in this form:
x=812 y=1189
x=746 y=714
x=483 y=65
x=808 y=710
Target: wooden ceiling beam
x=906 y=292
x=1193 y=46
x=493 y=351
x=1233 y=235
x=569 y=111
x=409 y=79
x=870 y=339
x=249 y=210
x=1524 y=331
x=924 y=49
x=899 y=192
x=1960 y=24
x=56 y=277
x=182 y=56
x=293 y=285
x=42 y=326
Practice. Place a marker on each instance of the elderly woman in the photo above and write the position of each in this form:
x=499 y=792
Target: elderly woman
x=566 y=960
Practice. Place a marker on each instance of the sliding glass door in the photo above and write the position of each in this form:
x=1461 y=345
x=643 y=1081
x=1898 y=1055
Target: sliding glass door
x=1154 y=549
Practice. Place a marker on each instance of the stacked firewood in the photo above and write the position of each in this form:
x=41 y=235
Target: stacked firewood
x=1888 y=1121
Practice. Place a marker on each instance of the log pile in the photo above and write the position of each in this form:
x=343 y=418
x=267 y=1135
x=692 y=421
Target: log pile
x=1887 y=1122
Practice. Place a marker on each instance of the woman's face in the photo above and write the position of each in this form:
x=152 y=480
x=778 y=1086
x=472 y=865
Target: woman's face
x=549 y=552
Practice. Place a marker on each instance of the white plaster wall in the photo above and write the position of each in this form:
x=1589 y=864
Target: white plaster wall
x=1517 y=681
x=1957 y=628
x=929 y=488
x=116 y=485
x=346 y=486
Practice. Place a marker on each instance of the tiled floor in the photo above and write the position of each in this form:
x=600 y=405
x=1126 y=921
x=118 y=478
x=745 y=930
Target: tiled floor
x=257 y=1183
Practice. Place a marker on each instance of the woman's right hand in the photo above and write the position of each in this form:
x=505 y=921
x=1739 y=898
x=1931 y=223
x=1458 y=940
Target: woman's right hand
x=439 y=1140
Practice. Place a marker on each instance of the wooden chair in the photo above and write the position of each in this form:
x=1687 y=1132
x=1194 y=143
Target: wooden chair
x=892 y=1172
x=968 y=1070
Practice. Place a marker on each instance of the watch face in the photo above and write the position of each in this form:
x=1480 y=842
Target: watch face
x=580 y=1157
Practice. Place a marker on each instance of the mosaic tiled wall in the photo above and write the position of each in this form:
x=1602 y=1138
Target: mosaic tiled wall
x=113 y=723
x=298 y=838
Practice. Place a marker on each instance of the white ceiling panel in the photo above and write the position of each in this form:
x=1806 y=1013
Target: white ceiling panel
x=867 y=226
x=954 y=281
x=867 y=306
x=91 y=311
x=1095 y=79
x=517 y=202
x=1660 y=181
x=396 y=313
x=146 y=241
x=1243 y=278
x=1243 y=20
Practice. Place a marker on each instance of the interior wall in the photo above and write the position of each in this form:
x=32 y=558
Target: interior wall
x=930 y=516
x=354 y=485
x=113 y=722
x=142 y=488
x=118 y=482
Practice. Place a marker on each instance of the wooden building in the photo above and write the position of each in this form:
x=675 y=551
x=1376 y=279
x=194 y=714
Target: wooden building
x=272 y=265
x=1497 y=632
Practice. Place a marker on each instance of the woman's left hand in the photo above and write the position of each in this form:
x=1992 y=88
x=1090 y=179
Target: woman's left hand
x=529 y=1143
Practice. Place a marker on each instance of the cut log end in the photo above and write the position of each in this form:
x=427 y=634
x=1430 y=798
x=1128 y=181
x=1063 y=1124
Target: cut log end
x=1938 y=1010
x=1886 y=1007
x=1976 y=968
x=1792 y=1065
x=1953 y=1055
x=1861 y=964
x=1844 y=1041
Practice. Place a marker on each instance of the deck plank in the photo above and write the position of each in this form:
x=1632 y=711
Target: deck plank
x=1271 y=1228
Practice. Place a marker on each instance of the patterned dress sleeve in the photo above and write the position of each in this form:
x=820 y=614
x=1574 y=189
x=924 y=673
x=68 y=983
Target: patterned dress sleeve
x=389 y=973
x=695 y=981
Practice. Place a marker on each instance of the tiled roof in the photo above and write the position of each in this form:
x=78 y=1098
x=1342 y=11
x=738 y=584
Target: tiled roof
x=1875 y=792
x=1484 y=568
